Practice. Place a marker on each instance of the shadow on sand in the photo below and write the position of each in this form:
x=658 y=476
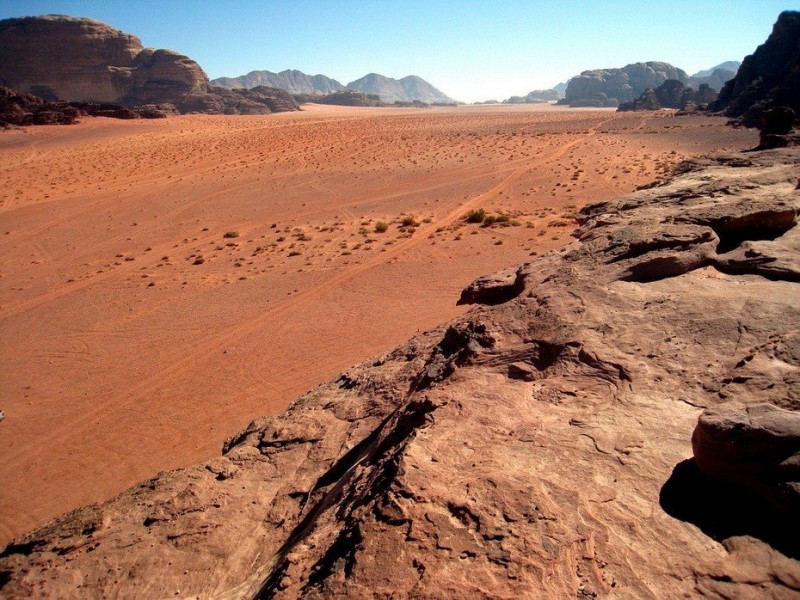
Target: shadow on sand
x=722 y=510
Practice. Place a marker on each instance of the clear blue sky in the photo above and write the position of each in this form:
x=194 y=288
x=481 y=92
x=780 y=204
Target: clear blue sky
x=470 y=49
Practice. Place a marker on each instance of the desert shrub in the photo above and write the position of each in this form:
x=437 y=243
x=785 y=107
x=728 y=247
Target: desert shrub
x=489 y=220
x=502 y=220
x=476 y=216
x=381 y=226
x=409 y=221
x=231 y=234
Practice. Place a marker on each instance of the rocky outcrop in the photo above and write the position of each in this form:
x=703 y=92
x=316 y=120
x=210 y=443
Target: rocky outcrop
x=671 y=94
x=343 y=98
x=291 y=80
x=609 y=87
x=82 y=60
x=768 y=78
x=537 y=446
x=756 y=446
x=534 y=97
x=21 y=109
x=407 y=89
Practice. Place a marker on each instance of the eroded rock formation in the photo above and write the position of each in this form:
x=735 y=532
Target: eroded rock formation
x=609 y=87
x=20 y=109
x=538 y=446
x=768 y=78
x=83 y=60
x=672 y=94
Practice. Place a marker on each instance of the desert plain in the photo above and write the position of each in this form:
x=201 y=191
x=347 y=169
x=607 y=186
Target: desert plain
x=164 y=282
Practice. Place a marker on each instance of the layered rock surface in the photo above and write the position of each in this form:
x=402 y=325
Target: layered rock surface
x=538 y=446
x=83 y=60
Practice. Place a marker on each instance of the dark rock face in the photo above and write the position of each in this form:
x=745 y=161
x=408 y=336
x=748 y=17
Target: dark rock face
x=756 y=446
x=21 y=109
x=647 y=101
x=621 y=85
x=768 y=78
x=83 y=60
x=671 y=94
x=528 y=448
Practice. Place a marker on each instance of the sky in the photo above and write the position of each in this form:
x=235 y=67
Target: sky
x=472 y=50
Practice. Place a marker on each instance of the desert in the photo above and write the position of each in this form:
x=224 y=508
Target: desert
x=367 y=341
x=124 y=357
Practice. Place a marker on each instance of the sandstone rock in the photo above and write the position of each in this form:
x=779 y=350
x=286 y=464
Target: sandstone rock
x=532 y=448
x=83 y=60
x=647 y=101
x=67 y=58
x=768 y=78
x=671 y=94
x=756 y=446
x=623 y=85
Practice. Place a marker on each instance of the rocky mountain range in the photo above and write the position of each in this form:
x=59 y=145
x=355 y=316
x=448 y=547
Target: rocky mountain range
x=291 y=80
x=406 y=90
x=74 y=59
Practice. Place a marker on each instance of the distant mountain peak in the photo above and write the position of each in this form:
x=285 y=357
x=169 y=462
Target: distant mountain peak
x=408 y=89
x=291 y=80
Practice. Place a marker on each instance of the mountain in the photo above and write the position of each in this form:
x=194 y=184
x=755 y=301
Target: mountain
x=407 y=89
x=729 y=65
x=291 y=80
x=535 y=97
x=94 y=62
x=609 y=87
x=561 y=88
x=539 y=444
x=769 y=77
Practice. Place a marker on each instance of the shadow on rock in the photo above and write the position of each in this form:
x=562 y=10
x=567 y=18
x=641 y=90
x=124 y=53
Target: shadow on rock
x=722 y=510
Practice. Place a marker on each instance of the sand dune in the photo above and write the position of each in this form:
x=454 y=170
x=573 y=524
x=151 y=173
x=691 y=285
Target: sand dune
x=164 y=282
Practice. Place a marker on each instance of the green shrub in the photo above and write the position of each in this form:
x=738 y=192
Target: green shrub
x=409 y=221
x=476 y=216
x=231 y=234
x=381 y=226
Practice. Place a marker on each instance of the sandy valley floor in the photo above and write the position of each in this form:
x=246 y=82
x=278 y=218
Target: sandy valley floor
x=135 y=335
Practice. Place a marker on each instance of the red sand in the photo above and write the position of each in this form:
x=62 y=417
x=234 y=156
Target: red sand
x=121 y=357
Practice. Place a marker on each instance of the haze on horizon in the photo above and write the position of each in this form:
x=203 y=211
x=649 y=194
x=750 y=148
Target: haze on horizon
x=471 y=50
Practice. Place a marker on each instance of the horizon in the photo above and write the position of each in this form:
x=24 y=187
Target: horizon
x=469 y=51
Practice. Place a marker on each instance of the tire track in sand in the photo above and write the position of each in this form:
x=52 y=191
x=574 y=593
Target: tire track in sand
x=137 y=394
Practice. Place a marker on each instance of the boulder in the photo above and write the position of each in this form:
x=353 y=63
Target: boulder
x=756 y=446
